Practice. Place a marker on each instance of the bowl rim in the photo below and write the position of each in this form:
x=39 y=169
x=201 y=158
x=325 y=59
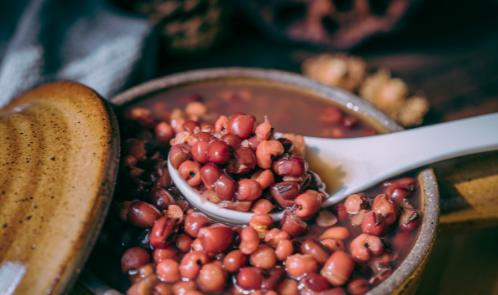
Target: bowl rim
x=413 y=263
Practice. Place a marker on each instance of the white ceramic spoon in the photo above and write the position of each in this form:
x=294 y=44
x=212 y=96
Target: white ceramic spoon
x=359 y=163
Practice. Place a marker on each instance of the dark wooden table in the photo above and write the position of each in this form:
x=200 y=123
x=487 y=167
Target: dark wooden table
x=449 y=51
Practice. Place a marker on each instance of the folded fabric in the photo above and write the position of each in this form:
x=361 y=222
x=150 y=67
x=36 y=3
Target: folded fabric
x=89 y=41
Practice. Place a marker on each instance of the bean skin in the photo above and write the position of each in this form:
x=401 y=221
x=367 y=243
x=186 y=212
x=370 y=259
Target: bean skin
x=142 y=214
x=212 y=278
x=241 y=125
x=216 y=238
x=200 y=151
x=210 y=174
x=356 y=202
x=249 y=278
x=218 y=152
x=161 y=254
x=190 y=172
x=261 y=223
x=164 y=132
x=373 y=224
x=265 y=178
x=338 y=268
x=337 y=232
x=163 y=228
x=298 y=264
x=194 y=221
x=314 y=249
x=264 y=258
x=244 y=161
x=134 y=258
x=191 y=263
x=262 y=206
x=168 y=271
x=178 y=154
x=266 y=150
x=234 y=260
x=288 y=287
x=249 y=240
x=248 y=190
x=284 y=249
x=293 y=166
x=365 y=246
x=315 y=282
x=308 y=203
x=384 y=206
x=293 y=225
x=264 y=130
x=225 y=187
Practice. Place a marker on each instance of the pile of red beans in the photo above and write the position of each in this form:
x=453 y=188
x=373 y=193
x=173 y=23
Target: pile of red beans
x=237 y=163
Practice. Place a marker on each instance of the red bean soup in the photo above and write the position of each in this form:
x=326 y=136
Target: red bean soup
x=221 y=140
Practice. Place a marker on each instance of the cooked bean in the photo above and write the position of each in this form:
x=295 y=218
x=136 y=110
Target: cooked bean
x=338 y=268
x=190 y=172
x=244 y=161
x=168 y=271
x=249 y=240
x=284 y=249
x=161 y=231
x=249 y=278
x=164 y=132
x=356 y=202
x=293 y=166
x=373 y=224
x=265 y=178
x=288 y=287
x=264 y=257
x=216 y=238
x=210 y=174
x=134 y=258
x=194 y=221
x=364 y=246
x=298 y=264
x=337 y=233
x=266 y=150
x=293 y=225
x=191 y=263
x=212 y=278
x=178 y=154
x=142 y=214
x=248 y=190
x=218 y=152
x=308 y=203
x=225 y=187
x=234 y=260
x=314 y=249
x=261 y=223
x=200 y=151
x=385 y=207
x=262 y=206
x=241 y=125
x=315 y=282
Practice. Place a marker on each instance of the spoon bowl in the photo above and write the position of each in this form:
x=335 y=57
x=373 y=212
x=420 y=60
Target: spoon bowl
x=364 y=162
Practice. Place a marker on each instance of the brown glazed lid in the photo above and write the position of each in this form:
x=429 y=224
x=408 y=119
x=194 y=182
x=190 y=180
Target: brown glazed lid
x=59 y=149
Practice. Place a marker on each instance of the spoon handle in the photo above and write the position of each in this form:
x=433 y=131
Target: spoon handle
x=399 y=152
x=370 y=160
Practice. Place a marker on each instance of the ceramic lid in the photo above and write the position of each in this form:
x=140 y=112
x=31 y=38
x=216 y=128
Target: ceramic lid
x=59 y=152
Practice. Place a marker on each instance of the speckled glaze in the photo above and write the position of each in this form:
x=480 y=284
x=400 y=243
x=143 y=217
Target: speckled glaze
x=404 y=280
x=59 y=150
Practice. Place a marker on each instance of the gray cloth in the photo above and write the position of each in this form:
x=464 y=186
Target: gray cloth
x=90 y=41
